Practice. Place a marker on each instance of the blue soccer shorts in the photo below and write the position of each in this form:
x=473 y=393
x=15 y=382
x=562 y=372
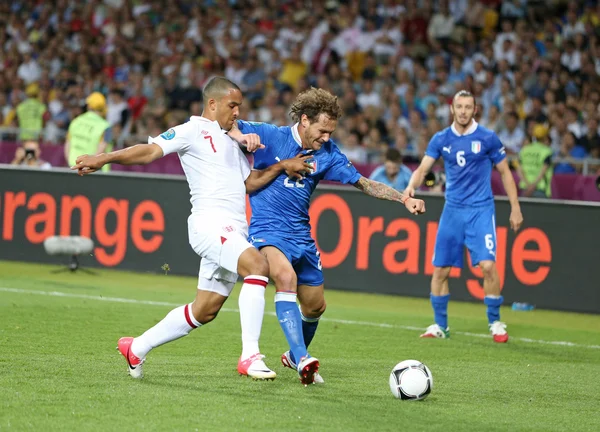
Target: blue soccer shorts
x=301 y=253
x=473 y=227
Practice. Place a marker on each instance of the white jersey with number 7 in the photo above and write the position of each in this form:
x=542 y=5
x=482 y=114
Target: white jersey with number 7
x=214 y=165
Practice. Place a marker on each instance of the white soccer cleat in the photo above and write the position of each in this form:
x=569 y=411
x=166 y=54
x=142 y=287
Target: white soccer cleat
x=286 y=360
x=255 y=368
x=435 y=331
x=498 y=331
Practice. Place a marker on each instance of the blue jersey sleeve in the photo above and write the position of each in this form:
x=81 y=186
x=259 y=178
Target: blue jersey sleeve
x=341 y=169
x=265 y=131
x=497 y=151
x=434 y=149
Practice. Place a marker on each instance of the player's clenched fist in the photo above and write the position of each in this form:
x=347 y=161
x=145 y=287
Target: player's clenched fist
x=297 y=167
x=251 y=141
x=415 y=206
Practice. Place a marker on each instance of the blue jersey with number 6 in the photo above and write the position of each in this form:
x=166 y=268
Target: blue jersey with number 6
x=280 y=209
x=468 y=160
x=468 y=216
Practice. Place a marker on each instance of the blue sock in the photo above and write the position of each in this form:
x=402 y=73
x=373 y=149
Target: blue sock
x=493 y=304
x=440 y=309
x=309 y=327
x=291 y=322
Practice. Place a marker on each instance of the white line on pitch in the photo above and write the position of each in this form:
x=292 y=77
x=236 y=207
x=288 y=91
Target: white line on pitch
x=338 y=321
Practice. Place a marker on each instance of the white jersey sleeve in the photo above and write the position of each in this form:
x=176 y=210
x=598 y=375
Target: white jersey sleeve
x=177 y=139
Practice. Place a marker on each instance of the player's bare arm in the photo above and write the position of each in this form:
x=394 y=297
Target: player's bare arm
x=250 y=141
x=418 y=176
x=294 y=168
x=140 y=154
x=382 y=191
x=516 y=217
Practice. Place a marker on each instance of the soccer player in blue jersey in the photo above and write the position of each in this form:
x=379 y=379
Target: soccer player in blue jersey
x=280 y=225
x=468 y=219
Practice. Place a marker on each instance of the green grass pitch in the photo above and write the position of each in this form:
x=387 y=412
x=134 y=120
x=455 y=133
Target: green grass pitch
x=59 y=369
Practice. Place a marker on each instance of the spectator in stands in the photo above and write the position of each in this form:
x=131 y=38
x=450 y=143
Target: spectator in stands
x=535 y=165
x=28 y=155
x=393 y=172
x=570 y=149
x=353 y=150
x=591 y=140
x=512 y=136
x=88 y=131
x=31 y=114
x=538 y=59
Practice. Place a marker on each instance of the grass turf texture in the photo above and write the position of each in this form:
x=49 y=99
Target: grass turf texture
x=59 y=369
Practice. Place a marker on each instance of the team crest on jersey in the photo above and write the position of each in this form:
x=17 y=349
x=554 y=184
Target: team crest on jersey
x=476 y=146
x=168 y=135
x=313 y=164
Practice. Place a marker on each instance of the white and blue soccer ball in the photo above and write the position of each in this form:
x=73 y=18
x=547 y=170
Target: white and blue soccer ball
x=411 y=380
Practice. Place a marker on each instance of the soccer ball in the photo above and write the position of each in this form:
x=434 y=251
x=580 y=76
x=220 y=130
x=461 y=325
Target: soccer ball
x=411 y=380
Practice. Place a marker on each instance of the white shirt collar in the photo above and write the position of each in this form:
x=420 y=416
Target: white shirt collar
x=296 y=135
x=204 y=119
x=469 y=131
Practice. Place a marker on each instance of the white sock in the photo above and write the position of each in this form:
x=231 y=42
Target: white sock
x=252 y=310
x=178 y=323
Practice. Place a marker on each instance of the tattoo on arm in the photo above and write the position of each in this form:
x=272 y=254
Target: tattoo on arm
x=379 y=190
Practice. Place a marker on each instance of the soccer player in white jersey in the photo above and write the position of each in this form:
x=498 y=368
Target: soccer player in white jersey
x=219 y=177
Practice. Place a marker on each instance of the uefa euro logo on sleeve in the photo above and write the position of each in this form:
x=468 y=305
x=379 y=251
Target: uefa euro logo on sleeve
x=475 y=146
x=168 y=135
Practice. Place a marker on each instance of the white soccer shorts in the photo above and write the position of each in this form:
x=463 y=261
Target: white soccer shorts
x=220 y=244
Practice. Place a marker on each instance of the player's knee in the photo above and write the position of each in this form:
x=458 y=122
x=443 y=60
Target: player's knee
x=319 y=310
x=488 y=268
x=205 y=312
x=285 y=280
x=314 y=309
x=441 y=273
x=207 y=317
x=260 y=266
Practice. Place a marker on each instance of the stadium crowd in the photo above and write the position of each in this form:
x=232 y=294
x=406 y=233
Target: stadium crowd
x=533 y=66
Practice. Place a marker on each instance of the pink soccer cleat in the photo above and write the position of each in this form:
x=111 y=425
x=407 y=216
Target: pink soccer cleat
x=498 y=331
x=255 y=368
x=435 y=331
x=134 y=363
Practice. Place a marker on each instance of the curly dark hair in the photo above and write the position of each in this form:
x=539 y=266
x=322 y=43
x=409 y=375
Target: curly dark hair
x=313 y=103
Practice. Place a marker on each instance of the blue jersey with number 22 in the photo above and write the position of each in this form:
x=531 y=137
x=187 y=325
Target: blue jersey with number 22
x=282 y=206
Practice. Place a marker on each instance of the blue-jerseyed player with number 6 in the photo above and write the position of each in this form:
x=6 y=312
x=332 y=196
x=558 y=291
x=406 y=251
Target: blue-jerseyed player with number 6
x=280 y=225
x=468 y=219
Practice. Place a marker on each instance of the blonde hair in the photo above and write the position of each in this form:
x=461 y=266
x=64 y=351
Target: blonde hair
x=313 y=103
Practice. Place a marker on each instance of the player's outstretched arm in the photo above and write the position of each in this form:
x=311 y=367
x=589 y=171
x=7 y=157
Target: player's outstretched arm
x=250 y=140
x=516 y=217
x=140 y=154
x=418 y=176
x=294 y=168
x=382 y=191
